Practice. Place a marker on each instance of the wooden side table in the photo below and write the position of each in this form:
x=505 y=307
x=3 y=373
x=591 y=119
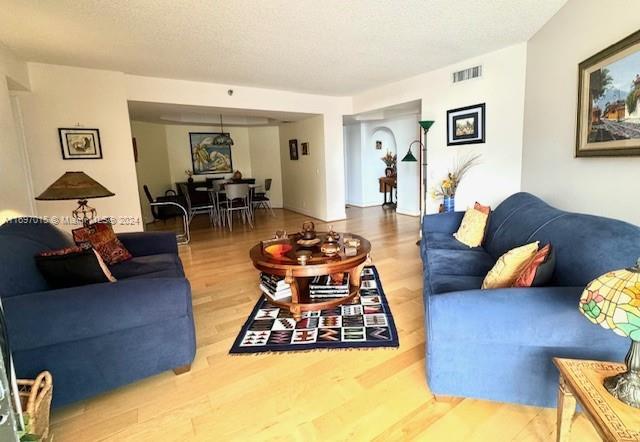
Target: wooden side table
x=581 y=382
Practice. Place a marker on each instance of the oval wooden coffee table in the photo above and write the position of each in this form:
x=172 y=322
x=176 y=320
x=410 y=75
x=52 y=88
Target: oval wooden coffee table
x=298 y=275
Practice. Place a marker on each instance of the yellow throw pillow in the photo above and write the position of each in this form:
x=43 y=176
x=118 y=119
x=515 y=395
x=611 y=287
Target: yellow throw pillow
x=509 y=266
x=472 y=228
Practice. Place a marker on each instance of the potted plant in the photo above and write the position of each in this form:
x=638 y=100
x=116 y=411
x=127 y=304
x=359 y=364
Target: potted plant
x=189 y=174
x=390 y=161
x=449 y=185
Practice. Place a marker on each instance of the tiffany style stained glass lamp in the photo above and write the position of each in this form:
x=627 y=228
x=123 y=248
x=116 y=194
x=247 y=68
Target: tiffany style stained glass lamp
x=613 y=301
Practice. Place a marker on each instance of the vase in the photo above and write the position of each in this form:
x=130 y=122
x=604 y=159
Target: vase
x=449 y=203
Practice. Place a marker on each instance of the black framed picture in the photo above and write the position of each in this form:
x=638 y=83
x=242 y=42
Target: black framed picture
x=80 y=144
x=293 y=149
x=466 y=125
x=609 y=101
x=305 y=148
x=208 y=158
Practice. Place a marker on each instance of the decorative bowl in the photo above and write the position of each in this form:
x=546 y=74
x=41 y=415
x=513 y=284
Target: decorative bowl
x=330 y=248
x=278 y=249
x=302 y=256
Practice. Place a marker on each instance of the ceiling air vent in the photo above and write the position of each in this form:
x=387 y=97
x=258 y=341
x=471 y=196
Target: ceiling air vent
x=467 y=74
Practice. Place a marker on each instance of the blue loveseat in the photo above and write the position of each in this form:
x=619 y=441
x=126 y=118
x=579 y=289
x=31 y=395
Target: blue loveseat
x=95 y=337
x=499 y=344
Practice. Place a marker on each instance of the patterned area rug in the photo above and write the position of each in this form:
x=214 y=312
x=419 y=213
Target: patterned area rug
x=367 y=323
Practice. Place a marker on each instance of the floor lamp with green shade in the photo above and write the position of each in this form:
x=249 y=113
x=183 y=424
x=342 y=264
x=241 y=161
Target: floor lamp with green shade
x=409 y=157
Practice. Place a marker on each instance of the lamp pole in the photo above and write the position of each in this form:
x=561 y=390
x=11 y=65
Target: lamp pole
x=426 y=125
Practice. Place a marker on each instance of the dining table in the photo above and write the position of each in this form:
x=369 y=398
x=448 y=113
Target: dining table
x=221 y=193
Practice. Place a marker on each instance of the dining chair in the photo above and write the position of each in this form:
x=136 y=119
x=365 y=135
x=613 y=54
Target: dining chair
x=237 y=201
x=172 y=207
x=261 y=199
x=219 y=201
x=195 y=210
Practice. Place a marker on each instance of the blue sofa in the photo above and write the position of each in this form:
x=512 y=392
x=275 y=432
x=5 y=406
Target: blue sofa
x=499 y=344
x=95 y=337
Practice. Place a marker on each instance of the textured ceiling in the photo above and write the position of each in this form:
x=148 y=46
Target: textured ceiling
x=334 y=47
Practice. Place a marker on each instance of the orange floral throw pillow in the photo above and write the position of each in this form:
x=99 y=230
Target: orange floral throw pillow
x=480 y=208
x=539 y=270
x=101 y=237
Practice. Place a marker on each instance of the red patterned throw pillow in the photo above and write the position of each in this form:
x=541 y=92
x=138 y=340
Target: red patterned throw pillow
x=539 y=270
x=101 y=237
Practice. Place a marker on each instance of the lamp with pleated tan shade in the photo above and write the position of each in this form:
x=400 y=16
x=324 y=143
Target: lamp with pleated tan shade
x=76 y=186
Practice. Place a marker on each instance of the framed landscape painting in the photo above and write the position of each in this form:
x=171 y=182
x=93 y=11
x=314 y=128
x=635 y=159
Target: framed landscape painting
x=609 y=101
x=465 y=125
x=207 y=158
x=80 y=144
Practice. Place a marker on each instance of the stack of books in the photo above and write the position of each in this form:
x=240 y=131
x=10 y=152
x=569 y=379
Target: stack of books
x=274 y=287
x=327 y=287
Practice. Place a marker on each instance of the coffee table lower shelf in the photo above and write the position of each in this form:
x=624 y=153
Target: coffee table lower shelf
x=296 y=308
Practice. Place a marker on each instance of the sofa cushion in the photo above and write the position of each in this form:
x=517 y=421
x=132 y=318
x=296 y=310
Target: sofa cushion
x=94 y=310
x=162 y=265
x=446 y=241
x=529 y=317
x=453 y=283
x=467 y=262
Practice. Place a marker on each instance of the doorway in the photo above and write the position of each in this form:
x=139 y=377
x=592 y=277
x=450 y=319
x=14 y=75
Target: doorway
x=368 y=137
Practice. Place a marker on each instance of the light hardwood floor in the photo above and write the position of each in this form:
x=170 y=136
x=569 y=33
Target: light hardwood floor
x=322 y=395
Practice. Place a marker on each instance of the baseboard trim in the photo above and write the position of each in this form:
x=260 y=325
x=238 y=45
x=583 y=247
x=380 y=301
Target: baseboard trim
x=364 y=206
x=407 y=213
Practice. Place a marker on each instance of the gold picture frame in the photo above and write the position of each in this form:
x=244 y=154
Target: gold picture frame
x=608 y=120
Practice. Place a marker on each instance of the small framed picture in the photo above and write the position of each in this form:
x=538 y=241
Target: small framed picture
x=293 y=149
x=466 y=125
x=378 y=145
x=305 y=148
x=80 y=144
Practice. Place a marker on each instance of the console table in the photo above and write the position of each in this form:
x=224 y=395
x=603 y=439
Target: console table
x=388 y=184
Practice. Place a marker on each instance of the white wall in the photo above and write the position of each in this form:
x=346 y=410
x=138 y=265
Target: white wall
x=15 y=195
x=353 y=142
x=180 y=150
x=264 y=145
x=303 y=181
x=602 y=186
x=501 y=88
x=62 y=97
x=152 y=167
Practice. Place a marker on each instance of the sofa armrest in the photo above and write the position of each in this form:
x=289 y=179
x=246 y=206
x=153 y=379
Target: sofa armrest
x=51 y=317
x=442 y=222
x=149 y=243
